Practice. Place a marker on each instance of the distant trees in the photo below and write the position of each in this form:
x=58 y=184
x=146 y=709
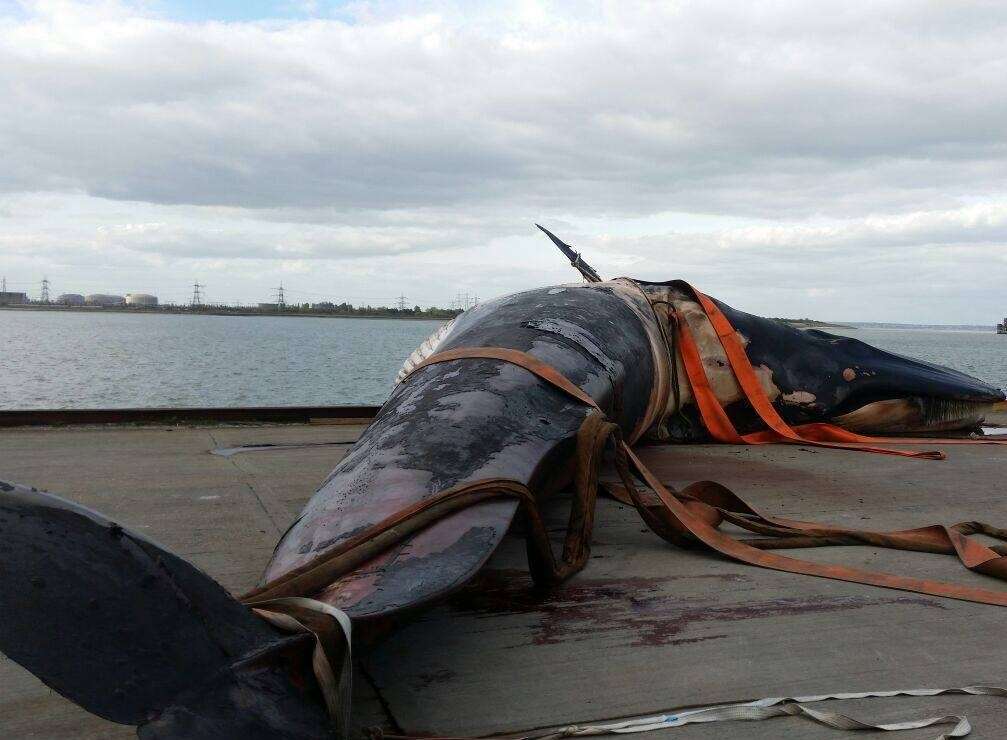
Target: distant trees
x=348 y=309
x=323 y=308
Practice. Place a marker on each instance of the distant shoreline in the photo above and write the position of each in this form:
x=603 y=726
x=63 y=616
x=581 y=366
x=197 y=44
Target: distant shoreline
x=812 y=324
x=217 y=312
x=442 y=315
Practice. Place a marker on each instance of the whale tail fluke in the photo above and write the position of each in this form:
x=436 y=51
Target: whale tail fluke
x=134 y=634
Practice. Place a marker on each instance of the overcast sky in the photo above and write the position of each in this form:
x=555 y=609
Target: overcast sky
x=833 y=160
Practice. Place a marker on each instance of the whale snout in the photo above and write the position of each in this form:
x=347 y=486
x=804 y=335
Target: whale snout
x=891 y=394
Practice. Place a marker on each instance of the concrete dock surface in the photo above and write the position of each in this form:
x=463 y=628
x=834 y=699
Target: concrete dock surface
x=644 y=628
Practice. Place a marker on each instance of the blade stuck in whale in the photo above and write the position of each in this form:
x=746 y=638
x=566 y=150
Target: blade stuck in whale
x=586 y=271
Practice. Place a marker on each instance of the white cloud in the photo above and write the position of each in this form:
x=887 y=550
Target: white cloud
x=414 y=143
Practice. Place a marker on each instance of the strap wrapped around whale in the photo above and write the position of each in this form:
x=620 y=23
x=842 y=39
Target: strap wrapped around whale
x=690 y=517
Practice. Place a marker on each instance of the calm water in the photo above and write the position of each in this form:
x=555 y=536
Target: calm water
x=76 y=360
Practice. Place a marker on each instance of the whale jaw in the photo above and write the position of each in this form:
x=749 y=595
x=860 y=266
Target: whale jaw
x=915 y=415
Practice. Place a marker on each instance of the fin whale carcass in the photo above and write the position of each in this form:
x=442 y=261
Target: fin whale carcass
x=469 y=419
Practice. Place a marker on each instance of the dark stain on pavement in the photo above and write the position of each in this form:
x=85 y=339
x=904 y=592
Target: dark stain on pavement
x=645 y=610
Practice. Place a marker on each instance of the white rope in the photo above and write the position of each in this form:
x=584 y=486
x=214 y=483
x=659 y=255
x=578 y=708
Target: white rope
x=331 y=660
x=787 y=706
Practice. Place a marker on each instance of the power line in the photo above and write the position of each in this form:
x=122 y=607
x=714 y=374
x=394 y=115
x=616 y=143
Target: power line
x=280 y=302
x=371 y=299
x=341 y=297
x=196 y=297
x=356 y=298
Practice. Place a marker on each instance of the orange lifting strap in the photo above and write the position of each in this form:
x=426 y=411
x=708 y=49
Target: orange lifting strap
x=779 y=431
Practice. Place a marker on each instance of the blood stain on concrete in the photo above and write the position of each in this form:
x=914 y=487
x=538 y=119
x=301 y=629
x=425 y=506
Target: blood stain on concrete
x=645 y=610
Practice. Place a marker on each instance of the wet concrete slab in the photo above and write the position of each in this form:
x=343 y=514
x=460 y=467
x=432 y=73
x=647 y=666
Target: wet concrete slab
x=645 y=627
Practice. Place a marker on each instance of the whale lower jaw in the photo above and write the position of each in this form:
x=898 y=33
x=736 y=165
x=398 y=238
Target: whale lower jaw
x=916 y=415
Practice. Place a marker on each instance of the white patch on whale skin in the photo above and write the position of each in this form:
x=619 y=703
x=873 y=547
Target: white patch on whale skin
x=427 y=348
x=799 y=398
x=722 y=380
x=718 y=369
x=905 y=416
x=890 y=416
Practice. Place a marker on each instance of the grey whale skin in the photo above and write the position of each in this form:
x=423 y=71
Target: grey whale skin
x=116 y=623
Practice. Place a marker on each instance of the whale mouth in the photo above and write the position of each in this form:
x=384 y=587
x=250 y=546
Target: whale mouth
x=915 y=415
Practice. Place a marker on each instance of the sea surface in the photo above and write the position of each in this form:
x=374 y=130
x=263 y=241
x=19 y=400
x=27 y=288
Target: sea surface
x=118 y=360
x=115 y=360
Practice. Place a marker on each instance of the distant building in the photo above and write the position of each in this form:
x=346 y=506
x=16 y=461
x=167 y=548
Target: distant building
x=102 y=299
x=13 y=299
x=141 y=299
x=71 y=299
x=268 y=306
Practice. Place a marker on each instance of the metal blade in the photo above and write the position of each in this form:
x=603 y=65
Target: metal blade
x=573 y=255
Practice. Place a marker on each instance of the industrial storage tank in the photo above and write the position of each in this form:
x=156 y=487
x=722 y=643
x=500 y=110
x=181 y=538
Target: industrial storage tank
x=8 y=298
x=71 y=299
x=101 y=299
x=141 y=299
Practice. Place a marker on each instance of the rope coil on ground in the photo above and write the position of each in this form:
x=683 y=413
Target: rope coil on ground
x=781 y=707
x=760 y=709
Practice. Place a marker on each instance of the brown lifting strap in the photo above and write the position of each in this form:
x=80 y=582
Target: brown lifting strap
x=687 y=518
x=343 y=558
